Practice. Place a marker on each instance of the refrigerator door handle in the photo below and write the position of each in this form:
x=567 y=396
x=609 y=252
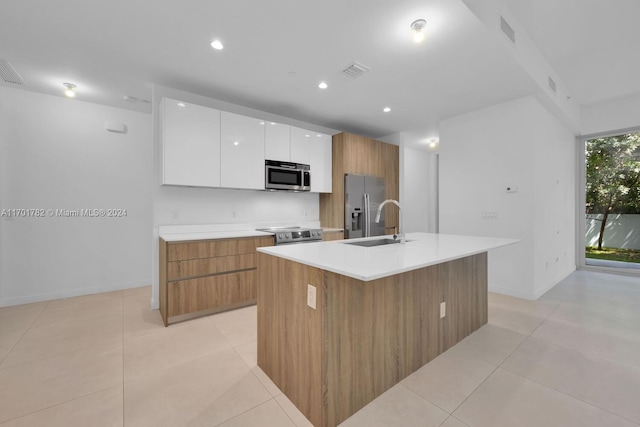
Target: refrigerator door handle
x=367 y=215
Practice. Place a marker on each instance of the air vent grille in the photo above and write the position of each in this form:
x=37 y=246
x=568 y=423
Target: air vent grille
x=355 y=70
x=552 y=84
x=9 y=75
x=507 y=30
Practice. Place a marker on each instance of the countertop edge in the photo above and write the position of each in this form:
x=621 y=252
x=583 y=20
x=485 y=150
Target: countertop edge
x=273 y=251
x=213 y=235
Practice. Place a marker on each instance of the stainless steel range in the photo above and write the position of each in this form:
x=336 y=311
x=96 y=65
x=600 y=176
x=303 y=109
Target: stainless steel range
x=292 y=235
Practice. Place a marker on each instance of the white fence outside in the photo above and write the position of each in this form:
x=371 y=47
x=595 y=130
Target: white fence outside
x=621 y=231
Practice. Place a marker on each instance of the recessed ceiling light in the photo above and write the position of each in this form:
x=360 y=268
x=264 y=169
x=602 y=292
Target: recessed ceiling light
x=418 y=30
x=272 y=123
x=69 y=90
x=433 y=143
x=236 y=143
x=307 y=136
x=181 y=104
x=217 y=45
x=386 y=109
x=262 y=123
x=323 y=85
x=319 y=136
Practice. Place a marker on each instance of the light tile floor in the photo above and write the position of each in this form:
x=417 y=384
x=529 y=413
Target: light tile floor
x=572 y=358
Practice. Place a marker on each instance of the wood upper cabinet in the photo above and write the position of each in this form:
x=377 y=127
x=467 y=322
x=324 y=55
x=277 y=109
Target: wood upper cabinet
x=277 y=144
x=363 y=156
x=241 y=151
x=314 y=149
x=190 y=136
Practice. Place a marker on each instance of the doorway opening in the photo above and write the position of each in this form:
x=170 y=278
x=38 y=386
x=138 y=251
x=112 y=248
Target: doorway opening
x=611 y=192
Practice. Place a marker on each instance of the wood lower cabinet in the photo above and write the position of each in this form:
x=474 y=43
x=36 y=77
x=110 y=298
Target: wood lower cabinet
x=201 y=277
x=332 y=235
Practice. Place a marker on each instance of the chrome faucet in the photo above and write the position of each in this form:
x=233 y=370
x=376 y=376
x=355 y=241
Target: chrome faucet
x=395 y=202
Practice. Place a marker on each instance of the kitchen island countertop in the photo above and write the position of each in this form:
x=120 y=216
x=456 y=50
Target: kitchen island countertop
x=370 y=263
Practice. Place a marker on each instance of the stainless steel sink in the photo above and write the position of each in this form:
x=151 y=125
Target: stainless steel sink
x=370 y=243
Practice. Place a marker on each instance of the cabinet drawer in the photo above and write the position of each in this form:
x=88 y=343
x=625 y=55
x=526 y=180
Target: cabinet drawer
x=188 y=296
x=206 y=266
x=215 y=248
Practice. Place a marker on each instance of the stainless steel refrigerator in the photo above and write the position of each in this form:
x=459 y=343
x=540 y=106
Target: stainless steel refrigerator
x=362 y=196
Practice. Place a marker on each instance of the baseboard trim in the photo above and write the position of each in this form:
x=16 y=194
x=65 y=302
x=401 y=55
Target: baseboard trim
x=69 y=293
x=531 y=295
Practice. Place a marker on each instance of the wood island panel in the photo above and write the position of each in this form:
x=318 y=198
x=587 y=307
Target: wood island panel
x=376 y=334
x=290 y=335
x=466 y=298
x=364 y=337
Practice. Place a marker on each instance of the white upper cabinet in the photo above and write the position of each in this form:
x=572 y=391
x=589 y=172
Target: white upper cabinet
x=314 y=149
x=190 y=144
x=241 y=151
x=276 y=144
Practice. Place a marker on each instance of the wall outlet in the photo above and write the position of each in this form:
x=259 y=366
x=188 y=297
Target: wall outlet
x=443 y=309
x=512 y=188
x=489 y=215
x=311 y=296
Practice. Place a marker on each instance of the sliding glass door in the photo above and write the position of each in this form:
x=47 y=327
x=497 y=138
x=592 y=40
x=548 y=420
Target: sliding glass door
x=609 y=205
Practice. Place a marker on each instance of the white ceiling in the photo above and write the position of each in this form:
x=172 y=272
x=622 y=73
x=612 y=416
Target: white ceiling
x=110 y=49
x=594 y=45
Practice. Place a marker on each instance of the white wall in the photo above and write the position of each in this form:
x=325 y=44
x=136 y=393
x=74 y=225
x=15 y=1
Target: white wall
x=613 y=115
x=56 y=154
x=418 y=200
x=555 y=176
x=514 y=144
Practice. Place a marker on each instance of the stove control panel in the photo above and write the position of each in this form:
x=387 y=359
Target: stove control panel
x=295 y=235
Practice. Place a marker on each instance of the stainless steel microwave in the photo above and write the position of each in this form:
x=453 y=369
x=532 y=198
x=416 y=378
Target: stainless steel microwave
x=286 y=176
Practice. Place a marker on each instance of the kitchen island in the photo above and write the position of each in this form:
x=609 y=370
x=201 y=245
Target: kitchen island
x=339 y=324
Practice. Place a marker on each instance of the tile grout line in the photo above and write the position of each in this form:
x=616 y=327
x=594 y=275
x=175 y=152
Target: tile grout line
x=552 y=388
x=569 y=396
x=22 y=336
x=210 y=317
x=56 y=404
x=421 y=396
x=500 y=364
x=457 y=419
x=44 y=358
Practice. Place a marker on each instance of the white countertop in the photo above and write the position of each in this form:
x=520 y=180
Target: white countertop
x=210 y=235
x=187 y=233
x=370 y=263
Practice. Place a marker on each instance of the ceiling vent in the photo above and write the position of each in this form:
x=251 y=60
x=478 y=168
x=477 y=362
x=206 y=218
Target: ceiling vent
x=552 y=85
x=507 y=30
x=355 y=70
x=9 y=75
